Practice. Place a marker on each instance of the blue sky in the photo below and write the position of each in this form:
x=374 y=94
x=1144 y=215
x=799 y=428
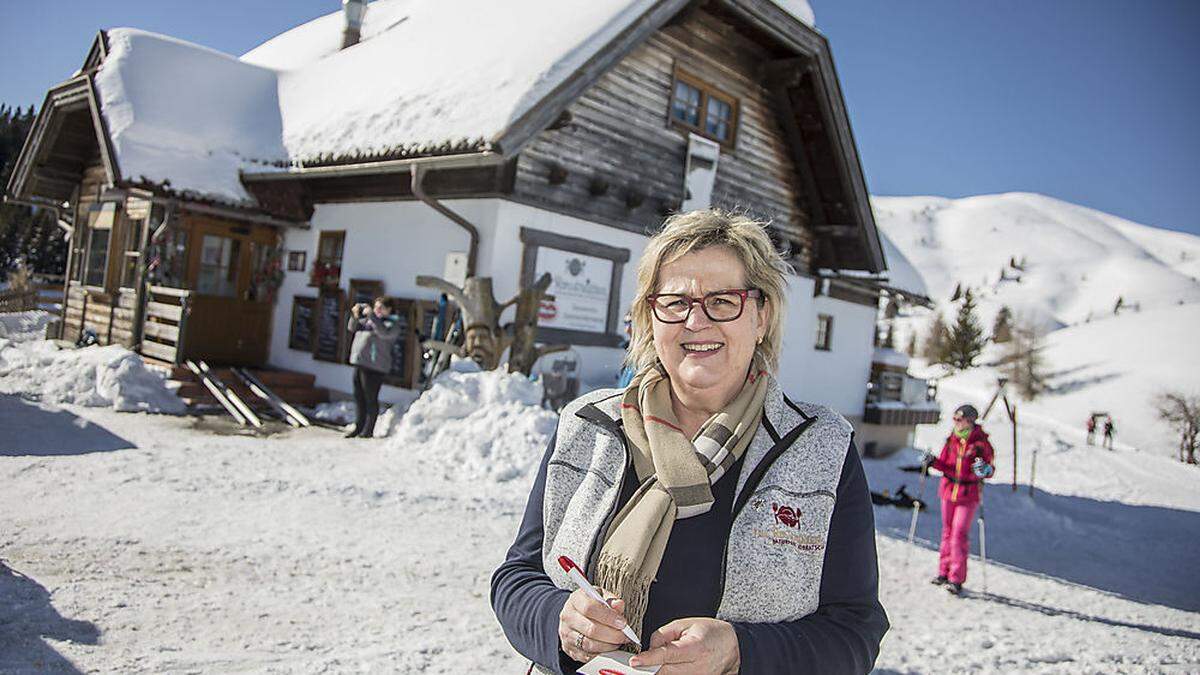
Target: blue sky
x=1091 y=101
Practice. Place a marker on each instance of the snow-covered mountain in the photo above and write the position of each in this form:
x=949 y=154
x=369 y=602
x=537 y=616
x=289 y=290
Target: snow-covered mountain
x=1075 y=263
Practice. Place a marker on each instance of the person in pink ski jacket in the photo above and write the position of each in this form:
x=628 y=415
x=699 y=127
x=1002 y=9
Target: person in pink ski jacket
x=965 y=461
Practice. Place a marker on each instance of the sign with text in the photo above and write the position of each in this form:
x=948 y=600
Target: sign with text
x=581 y=288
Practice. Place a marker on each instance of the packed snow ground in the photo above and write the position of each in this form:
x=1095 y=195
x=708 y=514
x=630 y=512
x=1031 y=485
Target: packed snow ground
x=152 y=543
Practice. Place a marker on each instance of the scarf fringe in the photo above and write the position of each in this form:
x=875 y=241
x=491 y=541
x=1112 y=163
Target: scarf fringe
x=613 y=573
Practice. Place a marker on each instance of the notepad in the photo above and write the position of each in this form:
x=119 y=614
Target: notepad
x=614 y=663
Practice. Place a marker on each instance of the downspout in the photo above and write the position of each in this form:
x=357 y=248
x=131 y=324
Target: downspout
x=418 y=190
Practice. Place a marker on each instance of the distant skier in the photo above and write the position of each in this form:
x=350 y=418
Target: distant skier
x=1108 y=432
x=965 y=461
x=1091 y=429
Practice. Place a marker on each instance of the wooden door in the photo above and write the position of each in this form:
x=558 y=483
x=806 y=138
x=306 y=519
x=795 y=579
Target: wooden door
x=230 y=319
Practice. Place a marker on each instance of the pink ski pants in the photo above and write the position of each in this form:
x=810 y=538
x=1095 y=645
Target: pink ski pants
x=956 y=531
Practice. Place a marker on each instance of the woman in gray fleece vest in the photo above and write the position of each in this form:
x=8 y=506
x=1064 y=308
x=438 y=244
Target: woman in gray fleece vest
x=728 y=526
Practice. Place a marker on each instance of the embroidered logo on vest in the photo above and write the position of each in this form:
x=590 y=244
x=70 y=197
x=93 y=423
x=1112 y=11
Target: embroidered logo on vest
x=788 y=516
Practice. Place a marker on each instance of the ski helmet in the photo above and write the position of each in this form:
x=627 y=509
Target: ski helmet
x=968 y=412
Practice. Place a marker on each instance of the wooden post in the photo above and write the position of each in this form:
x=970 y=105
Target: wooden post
x=523 y=350
x=82 y=316
x=183 y=317
x=1033 y=470
x=1012 y=415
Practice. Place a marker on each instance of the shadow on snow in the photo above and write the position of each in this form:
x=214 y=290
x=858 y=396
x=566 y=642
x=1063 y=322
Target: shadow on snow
x=30 y=430
x=1080 y=616
x=1142 y=553
x=26 y=618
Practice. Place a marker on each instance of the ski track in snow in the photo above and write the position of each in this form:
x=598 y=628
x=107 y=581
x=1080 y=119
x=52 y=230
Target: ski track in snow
x=192 y=546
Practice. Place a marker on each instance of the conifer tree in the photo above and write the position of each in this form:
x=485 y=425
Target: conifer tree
x=25 y=233
x=957 y=292
x=966 y=338
x=1002 y=327
x=936 y=341
x=1023 y=362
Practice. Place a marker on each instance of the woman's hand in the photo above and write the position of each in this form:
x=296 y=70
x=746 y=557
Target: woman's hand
x=698 y=646
x=600 y=625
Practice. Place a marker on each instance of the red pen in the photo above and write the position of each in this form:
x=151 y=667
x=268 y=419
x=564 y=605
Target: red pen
x=576 y=575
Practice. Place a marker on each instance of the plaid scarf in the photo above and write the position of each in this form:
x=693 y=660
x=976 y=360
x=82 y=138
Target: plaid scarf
x=676 y=475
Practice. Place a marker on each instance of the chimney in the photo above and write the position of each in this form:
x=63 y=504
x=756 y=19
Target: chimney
x=354 y=11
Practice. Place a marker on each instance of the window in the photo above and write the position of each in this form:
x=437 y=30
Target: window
x=131 y=252
x=100 y=223
x=327 y=269
x=168 y=259
x=701 y=108
x=218 y=266
x=685 y=106
x=824 y=332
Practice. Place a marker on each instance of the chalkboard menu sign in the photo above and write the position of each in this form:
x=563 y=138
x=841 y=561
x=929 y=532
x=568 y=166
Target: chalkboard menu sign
x=330 y=325
x=399 y=375
x=302 y=323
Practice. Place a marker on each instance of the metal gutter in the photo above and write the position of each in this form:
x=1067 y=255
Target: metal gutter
x=418 y=190
x=177 y=204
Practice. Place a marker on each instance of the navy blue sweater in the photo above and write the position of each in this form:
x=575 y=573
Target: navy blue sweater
x=842 y=636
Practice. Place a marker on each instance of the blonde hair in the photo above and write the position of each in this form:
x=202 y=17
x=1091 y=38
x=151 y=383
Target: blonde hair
x=684 y=233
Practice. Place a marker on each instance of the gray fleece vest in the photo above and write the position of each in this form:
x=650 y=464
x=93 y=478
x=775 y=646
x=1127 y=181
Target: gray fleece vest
x=776 y=546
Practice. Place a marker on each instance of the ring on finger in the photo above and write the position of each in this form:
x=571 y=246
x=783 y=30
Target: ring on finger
x=579 y=641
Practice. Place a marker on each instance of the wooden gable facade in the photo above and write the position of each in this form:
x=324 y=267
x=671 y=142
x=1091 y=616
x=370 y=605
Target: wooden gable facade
x=617 y=155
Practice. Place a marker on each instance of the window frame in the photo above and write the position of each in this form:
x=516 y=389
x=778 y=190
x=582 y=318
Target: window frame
x=96 y=220
x=707 y=91
x=320 y=259
x=824 y=341
x=131 y=252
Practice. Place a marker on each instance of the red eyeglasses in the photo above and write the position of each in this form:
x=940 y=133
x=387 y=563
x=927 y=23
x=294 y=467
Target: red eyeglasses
x=718 y=306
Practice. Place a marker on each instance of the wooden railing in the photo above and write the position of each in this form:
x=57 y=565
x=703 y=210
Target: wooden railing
x=164 y=330
x=18 y=300
x=44 y=293
x=49 y=288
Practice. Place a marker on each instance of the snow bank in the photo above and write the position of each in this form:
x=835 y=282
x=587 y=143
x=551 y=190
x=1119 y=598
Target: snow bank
x=487 y=425
x=24 y=326
x=109 y=376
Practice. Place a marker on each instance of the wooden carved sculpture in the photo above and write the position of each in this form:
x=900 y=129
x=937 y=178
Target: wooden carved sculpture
x=524 y=351
x=484 y=339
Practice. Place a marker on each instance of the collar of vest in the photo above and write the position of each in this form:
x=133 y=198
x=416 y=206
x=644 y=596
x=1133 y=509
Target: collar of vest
x=781 y=416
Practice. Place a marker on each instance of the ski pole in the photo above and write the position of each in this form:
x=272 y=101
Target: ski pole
x=982 y=539
x=1033 y=469
x=912 y=525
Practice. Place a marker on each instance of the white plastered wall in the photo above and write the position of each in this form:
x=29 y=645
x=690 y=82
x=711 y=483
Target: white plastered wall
x=389 y=241
x=396 y=241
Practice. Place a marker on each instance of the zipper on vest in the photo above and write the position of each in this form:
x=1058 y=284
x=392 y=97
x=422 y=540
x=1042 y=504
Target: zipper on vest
x=756 y=476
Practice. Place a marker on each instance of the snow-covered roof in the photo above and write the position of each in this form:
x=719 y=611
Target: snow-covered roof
x=902 y=274
x=194 y=137
x=426 y=78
